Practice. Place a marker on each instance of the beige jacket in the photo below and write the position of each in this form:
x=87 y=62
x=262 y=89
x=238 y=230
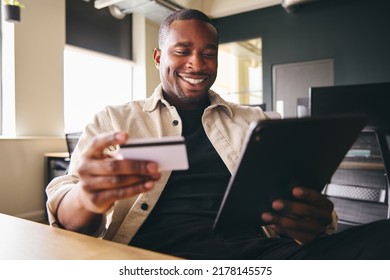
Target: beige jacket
x=225 y=125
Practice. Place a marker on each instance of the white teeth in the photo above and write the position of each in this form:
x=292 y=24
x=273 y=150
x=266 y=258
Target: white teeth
x=193 y=81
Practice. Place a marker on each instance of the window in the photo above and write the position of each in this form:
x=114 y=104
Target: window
x=240 y=74
x=7 y=71
x=1 y=70
x=92 y=81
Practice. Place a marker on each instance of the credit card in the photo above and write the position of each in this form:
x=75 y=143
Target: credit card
x=169 y=152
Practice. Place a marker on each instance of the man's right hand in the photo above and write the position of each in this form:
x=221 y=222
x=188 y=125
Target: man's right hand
x=103 y=180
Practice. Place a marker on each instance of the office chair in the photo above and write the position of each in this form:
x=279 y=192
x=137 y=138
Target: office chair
x=71 y=141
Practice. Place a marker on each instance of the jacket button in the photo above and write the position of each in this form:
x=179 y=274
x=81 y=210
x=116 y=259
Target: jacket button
x=144 y=206
x=175 y=122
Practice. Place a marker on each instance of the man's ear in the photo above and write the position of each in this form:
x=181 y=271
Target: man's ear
x=156 y=57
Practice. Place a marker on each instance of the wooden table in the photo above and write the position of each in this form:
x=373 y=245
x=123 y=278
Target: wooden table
x=21 y=239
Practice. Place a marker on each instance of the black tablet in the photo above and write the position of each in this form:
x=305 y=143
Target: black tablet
x=279 y=154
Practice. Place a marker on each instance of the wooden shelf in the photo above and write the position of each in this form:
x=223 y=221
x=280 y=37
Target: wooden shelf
x=362 y=165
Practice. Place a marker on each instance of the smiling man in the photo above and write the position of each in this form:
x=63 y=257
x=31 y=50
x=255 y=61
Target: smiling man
x=187 y=60
x=133 y=202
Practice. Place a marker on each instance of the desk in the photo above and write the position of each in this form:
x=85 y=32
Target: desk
x=26 y=240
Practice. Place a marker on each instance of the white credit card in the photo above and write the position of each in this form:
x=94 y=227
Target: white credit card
x=169 y=152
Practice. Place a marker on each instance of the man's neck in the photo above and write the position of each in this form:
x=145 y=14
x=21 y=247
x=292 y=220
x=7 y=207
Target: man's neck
x=183 y=105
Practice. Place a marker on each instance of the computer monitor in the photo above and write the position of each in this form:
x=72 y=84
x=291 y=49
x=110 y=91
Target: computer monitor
x=373 y=100
x=370 y=99
x=363 y=178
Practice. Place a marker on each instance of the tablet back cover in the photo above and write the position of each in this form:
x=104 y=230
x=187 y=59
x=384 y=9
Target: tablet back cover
x=280 y=154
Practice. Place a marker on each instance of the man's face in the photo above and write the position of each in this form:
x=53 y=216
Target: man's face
x=187 y=62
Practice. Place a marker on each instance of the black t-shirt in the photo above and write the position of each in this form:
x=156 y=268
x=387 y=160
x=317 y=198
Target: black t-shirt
x=191 y=198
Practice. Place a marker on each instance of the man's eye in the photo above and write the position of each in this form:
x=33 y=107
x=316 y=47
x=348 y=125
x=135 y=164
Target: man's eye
x=181 y=52
x=210 y=55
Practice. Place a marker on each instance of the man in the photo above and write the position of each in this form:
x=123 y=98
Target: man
x=131 y=202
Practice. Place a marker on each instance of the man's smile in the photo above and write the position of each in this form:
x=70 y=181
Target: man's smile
x=192 y=81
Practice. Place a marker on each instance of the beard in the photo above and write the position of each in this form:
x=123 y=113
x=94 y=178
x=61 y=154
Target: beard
x=176 y=91
x=189 y=99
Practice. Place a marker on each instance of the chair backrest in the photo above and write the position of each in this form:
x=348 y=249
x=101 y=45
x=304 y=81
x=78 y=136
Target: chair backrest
x=71 y=141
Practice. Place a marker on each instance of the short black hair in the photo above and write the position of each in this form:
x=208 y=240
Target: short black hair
x=183 y=14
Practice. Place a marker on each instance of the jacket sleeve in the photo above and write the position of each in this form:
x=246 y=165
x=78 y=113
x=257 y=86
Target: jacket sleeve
x=60 y=186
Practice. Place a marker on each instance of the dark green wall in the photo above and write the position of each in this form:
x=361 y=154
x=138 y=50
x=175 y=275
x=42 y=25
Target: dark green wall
x=355 y=33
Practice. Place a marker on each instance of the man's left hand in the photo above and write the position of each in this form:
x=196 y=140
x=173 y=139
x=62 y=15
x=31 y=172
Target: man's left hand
x=303 y=219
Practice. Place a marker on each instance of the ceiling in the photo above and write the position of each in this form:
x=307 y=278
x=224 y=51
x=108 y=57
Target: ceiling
x=157 y=10
x=213 y=8
x=221 y=8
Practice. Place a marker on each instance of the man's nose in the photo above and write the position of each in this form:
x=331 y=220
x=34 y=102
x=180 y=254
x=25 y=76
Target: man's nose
x=197 y=62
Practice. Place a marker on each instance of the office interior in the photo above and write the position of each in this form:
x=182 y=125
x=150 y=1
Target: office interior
x=352 y=34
